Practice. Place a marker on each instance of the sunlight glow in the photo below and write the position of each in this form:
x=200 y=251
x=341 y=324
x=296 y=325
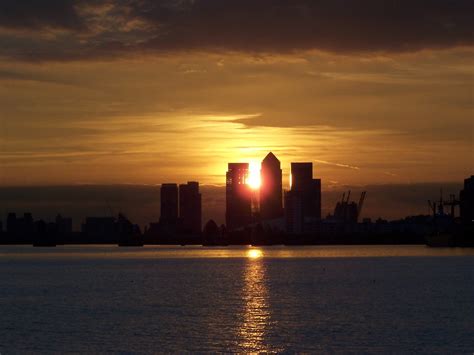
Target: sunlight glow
x=254 y=253
x=255 y=318
x=254 y=180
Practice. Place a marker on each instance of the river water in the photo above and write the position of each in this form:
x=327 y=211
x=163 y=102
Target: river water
x=360 y=299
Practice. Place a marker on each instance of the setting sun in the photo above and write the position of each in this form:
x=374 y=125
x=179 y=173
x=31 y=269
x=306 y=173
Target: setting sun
x=254 y=180
x=254 y=253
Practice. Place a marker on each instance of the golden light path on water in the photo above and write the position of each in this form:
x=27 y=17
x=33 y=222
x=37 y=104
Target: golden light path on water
x=256 y=315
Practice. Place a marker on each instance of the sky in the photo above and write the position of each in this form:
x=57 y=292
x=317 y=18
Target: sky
x=144 y=92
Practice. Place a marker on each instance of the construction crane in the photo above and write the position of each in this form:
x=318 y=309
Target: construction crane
x=349 y=211
x=440 y=204
x=452 y=202
x=437 y=208
x=432 y=207
x=361 y=203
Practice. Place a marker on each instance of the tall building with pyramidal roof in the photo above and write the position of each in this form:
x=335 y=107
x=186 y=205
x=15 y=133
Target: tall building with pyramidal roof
x=271 y=204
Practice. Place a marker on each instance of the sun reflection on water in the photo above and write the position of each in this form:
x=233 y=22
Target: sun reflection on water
x=256 y=315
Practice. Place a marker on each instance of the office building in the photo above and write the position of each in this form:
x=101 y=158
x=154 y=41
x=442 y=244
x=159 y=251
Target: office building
x=238 y=196
x=303 y=201
x=466 y=201
x=301 y=177
x=293 y=212
x=302 y=183
x=11 y=223
x=63 y=225
x=271 y=188
x=99 y=229
x=190 y=210
x=169 y=203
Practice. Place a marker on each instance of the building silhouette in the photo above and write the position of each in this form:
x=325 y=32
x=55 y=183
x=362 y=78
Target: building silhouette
x=63 y=224
x=271 y=188
x=309 y=189
x=22 y=225
x=211 y=234
x=169 y=203
x=466 y=200
x=190 y=210
x=99 y=229
x=238 y=196
x=303 y=201
x=11 y=222
x=293 y=212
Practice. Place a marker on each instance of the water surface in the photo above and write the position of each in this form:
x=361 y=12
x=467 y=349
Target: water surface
x=237 y=299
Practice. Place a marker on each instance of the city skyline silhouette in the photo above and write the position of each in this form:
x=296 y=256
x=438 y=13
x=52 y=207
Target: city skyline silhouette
x=236 y=176
x=258 y=211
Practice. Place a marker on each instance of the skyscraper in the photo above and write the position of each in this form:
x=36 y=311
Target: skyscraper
x=271 y=188
x=302 y=182
x=293 y=212
x=190 y=207
x=169 y=203
x=301 y=176
x=466 y=198
x=316 y=198
x=11 y=223
x=303 y=201
x=238 y=196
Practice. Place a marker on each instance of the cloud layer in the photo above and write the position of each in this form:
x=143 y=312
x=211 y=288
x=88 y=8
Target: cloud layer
x=63 y=30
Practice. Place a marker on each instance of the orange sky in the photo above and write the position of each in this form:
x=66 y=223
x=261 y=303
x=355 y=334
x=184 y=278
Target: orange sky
x=375 y=115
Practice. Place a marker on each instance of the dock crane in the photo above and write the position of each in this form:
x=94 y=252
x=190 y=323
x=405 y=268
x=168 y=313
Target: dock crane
x=361 y=203
x=452 y=202
x=432 y=206
x=349 y=211
x=437 y=208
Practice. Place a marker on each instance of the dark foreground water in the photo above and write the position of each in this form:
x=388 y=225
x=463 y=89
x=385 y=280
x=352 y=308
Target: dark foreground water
x=168 y=299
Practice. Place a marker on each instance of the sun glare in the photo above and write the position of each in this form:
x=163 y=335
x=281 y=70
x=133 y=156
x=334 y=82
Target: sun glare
x=254 y=176
x=254 y=253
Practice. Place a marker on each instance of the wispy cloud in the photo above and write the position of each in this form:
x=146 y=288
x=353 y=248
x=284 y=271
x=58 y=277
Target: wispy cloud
x=347 y=166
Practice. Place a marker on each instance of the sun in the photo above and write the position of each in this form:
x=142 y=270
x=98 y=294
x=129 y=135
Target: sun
x=254 y=253
x=253 y=179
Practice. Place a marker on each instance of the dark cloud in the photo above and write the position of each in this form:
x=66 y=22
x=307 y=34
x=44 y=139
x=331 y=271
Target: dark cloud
x=36 y=14
x=266 y=26
x=336 y=25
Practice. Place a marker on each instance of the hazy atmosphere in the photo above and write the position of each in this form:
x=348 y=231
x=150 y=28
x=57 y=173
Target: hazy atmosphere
x=236 y=176
x=145 y=92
